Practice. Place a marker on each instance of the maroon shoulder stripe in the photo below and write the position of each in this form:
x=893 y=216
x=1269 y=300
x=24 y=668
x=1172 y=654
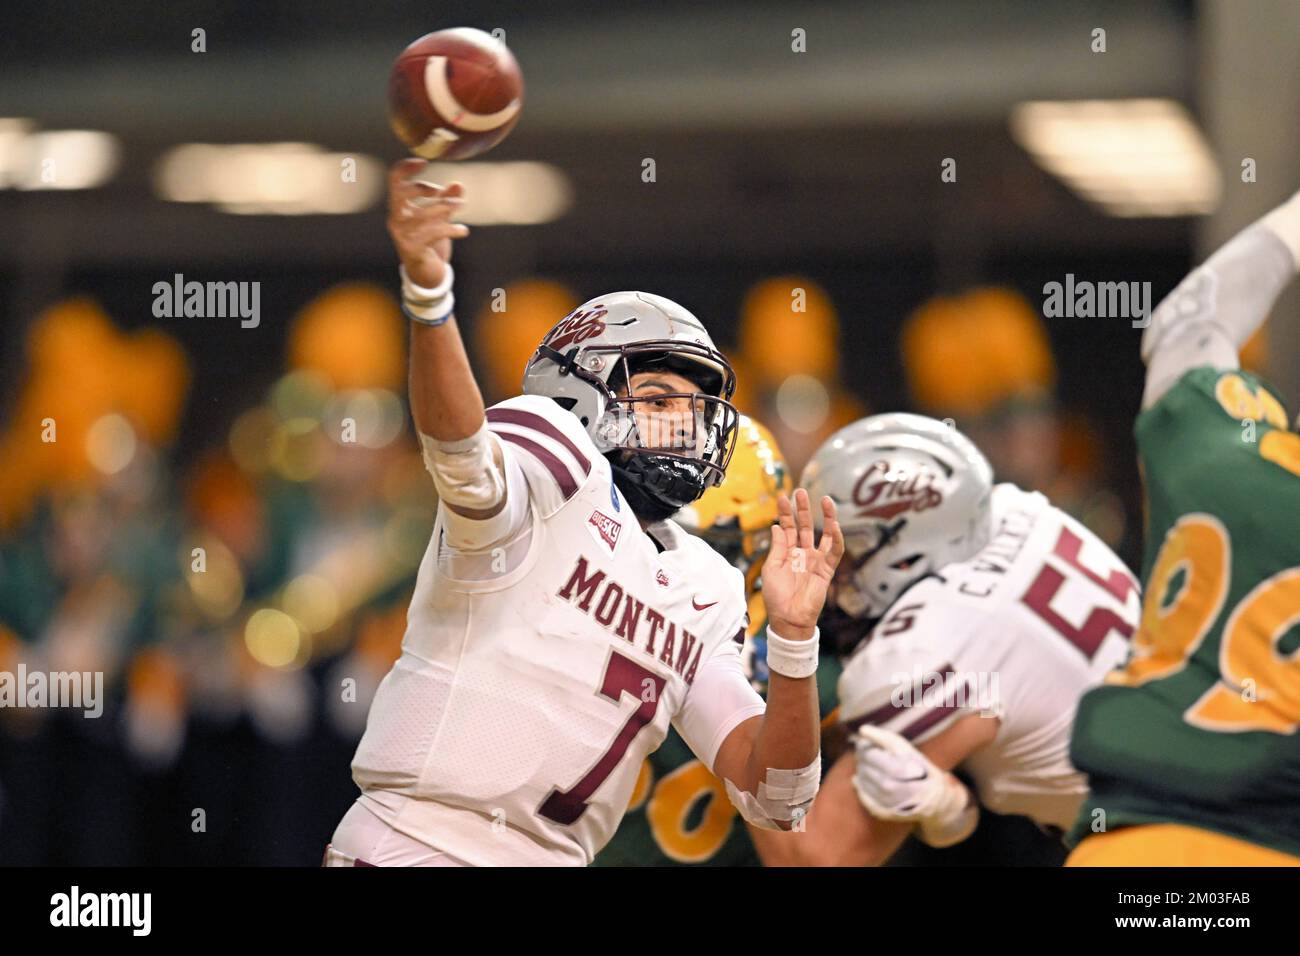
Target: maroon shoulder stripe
x=881 y=715
x=919 y=726
x=559 y=471
x=887 y=712
x=515 y=416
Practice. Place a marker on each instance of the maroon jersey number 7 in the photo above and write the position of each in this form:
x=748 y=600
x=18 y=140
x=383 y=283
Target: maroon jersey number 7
x=622 y=676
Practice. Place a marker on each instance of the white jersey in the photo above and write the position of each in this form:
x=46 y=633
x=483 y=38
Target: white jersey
x=1019 y=631
x=535 y=677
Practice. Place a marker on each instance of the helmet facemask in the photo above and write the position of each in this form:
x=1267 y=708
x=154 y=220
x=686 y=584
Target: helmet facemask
x=701 y=434
x=591 y=355
x=914 y=496
x=663 y=459
x=881 y=568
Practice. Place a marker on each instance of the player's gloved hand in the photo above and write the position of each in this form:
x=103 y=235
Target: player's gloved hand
x=895 y=781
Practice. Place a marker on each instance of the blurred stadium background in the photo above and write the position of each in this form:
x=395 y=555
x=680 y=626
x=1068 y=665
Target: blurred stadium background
x=774 y=171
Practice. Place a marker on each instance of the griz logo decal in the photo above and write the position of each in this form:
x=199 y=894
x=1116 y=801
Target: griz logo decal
x=881 y=493
x=576 y=327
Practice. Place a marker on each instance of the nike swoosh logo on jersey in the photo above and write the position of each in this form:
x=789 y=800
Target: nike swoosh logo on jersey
x=702 y=607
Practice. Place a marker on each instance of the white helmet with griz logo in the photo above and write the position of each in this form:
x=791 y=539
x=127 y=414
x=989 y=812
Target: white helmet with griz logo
x=912 y=495
x=591 y=355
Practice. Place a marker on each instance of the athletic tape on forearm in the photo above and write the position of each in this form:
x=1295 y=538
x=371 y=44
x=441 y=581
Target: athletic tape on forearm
x=784 y=796
x=795 y=787
x=792 y=658
x=467 y=472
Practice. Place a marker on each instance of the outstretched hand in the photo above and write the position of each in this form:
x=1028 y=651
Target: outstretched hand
x=797 y=575
x=419 y=221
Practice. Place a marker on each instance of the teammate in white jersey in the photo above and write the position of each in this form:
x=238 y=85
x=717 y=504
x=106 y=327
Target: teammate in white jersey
x=987 y=613
x=560 y=621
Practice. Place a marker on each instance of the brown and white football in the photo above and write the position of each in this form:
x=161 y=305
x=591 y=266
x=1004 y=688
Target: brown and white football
x=454 y=94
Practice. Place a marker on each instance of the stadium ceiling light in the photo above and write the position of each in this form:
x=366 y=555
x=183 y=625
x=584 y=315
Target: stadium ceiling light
x=302 y=178
x=32 y=159
x=269 y=178
x=518 y=194
x=1142 y=157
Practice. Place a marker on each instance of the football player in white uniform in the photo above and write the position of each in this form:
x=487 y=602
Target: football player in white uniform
x=560 y=621
x=980 y=614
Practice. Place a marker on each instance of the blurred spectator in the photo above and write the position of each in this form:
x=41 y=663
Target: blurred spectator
x=241 y=632
x=788 y=365
x=509 y=327
x=86 y=564
x=983 y=360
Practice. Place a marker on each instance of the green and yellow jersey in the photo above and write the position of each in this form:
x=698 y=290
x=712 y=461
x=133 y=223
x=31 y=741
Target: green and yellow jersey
x=1200 y=725
x=679 y=813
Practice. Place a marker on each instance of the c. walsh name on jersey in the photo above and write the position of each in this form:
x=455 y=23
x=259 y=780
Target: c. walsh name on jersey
x=619 y=611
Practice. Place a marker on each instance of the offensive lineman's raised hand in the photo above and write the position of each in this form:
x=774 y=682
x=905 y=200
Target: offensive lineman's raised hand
x=797 y=575
x=422 y=231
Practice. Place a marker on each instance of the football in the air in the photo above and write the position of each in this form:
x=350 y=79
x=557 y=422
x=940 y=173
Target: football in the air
x=454 y=94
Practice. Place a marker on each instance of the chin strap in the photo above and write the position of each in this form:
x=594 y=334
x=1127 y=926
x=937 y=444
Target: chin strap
x=643 y=505
x=637 y=479
x=566 y=362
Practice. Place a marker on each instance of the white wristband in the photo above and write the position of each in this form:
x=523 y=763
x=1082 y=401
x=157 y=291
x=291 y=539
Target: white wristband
x=425 y=305
x=789 y=658
x=430 y=314
x=419 y=293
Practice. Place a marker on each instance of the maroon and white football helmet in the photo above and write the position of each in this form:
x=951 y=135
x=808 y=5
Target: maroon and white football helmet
x=590 y=356
x=912 y=495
